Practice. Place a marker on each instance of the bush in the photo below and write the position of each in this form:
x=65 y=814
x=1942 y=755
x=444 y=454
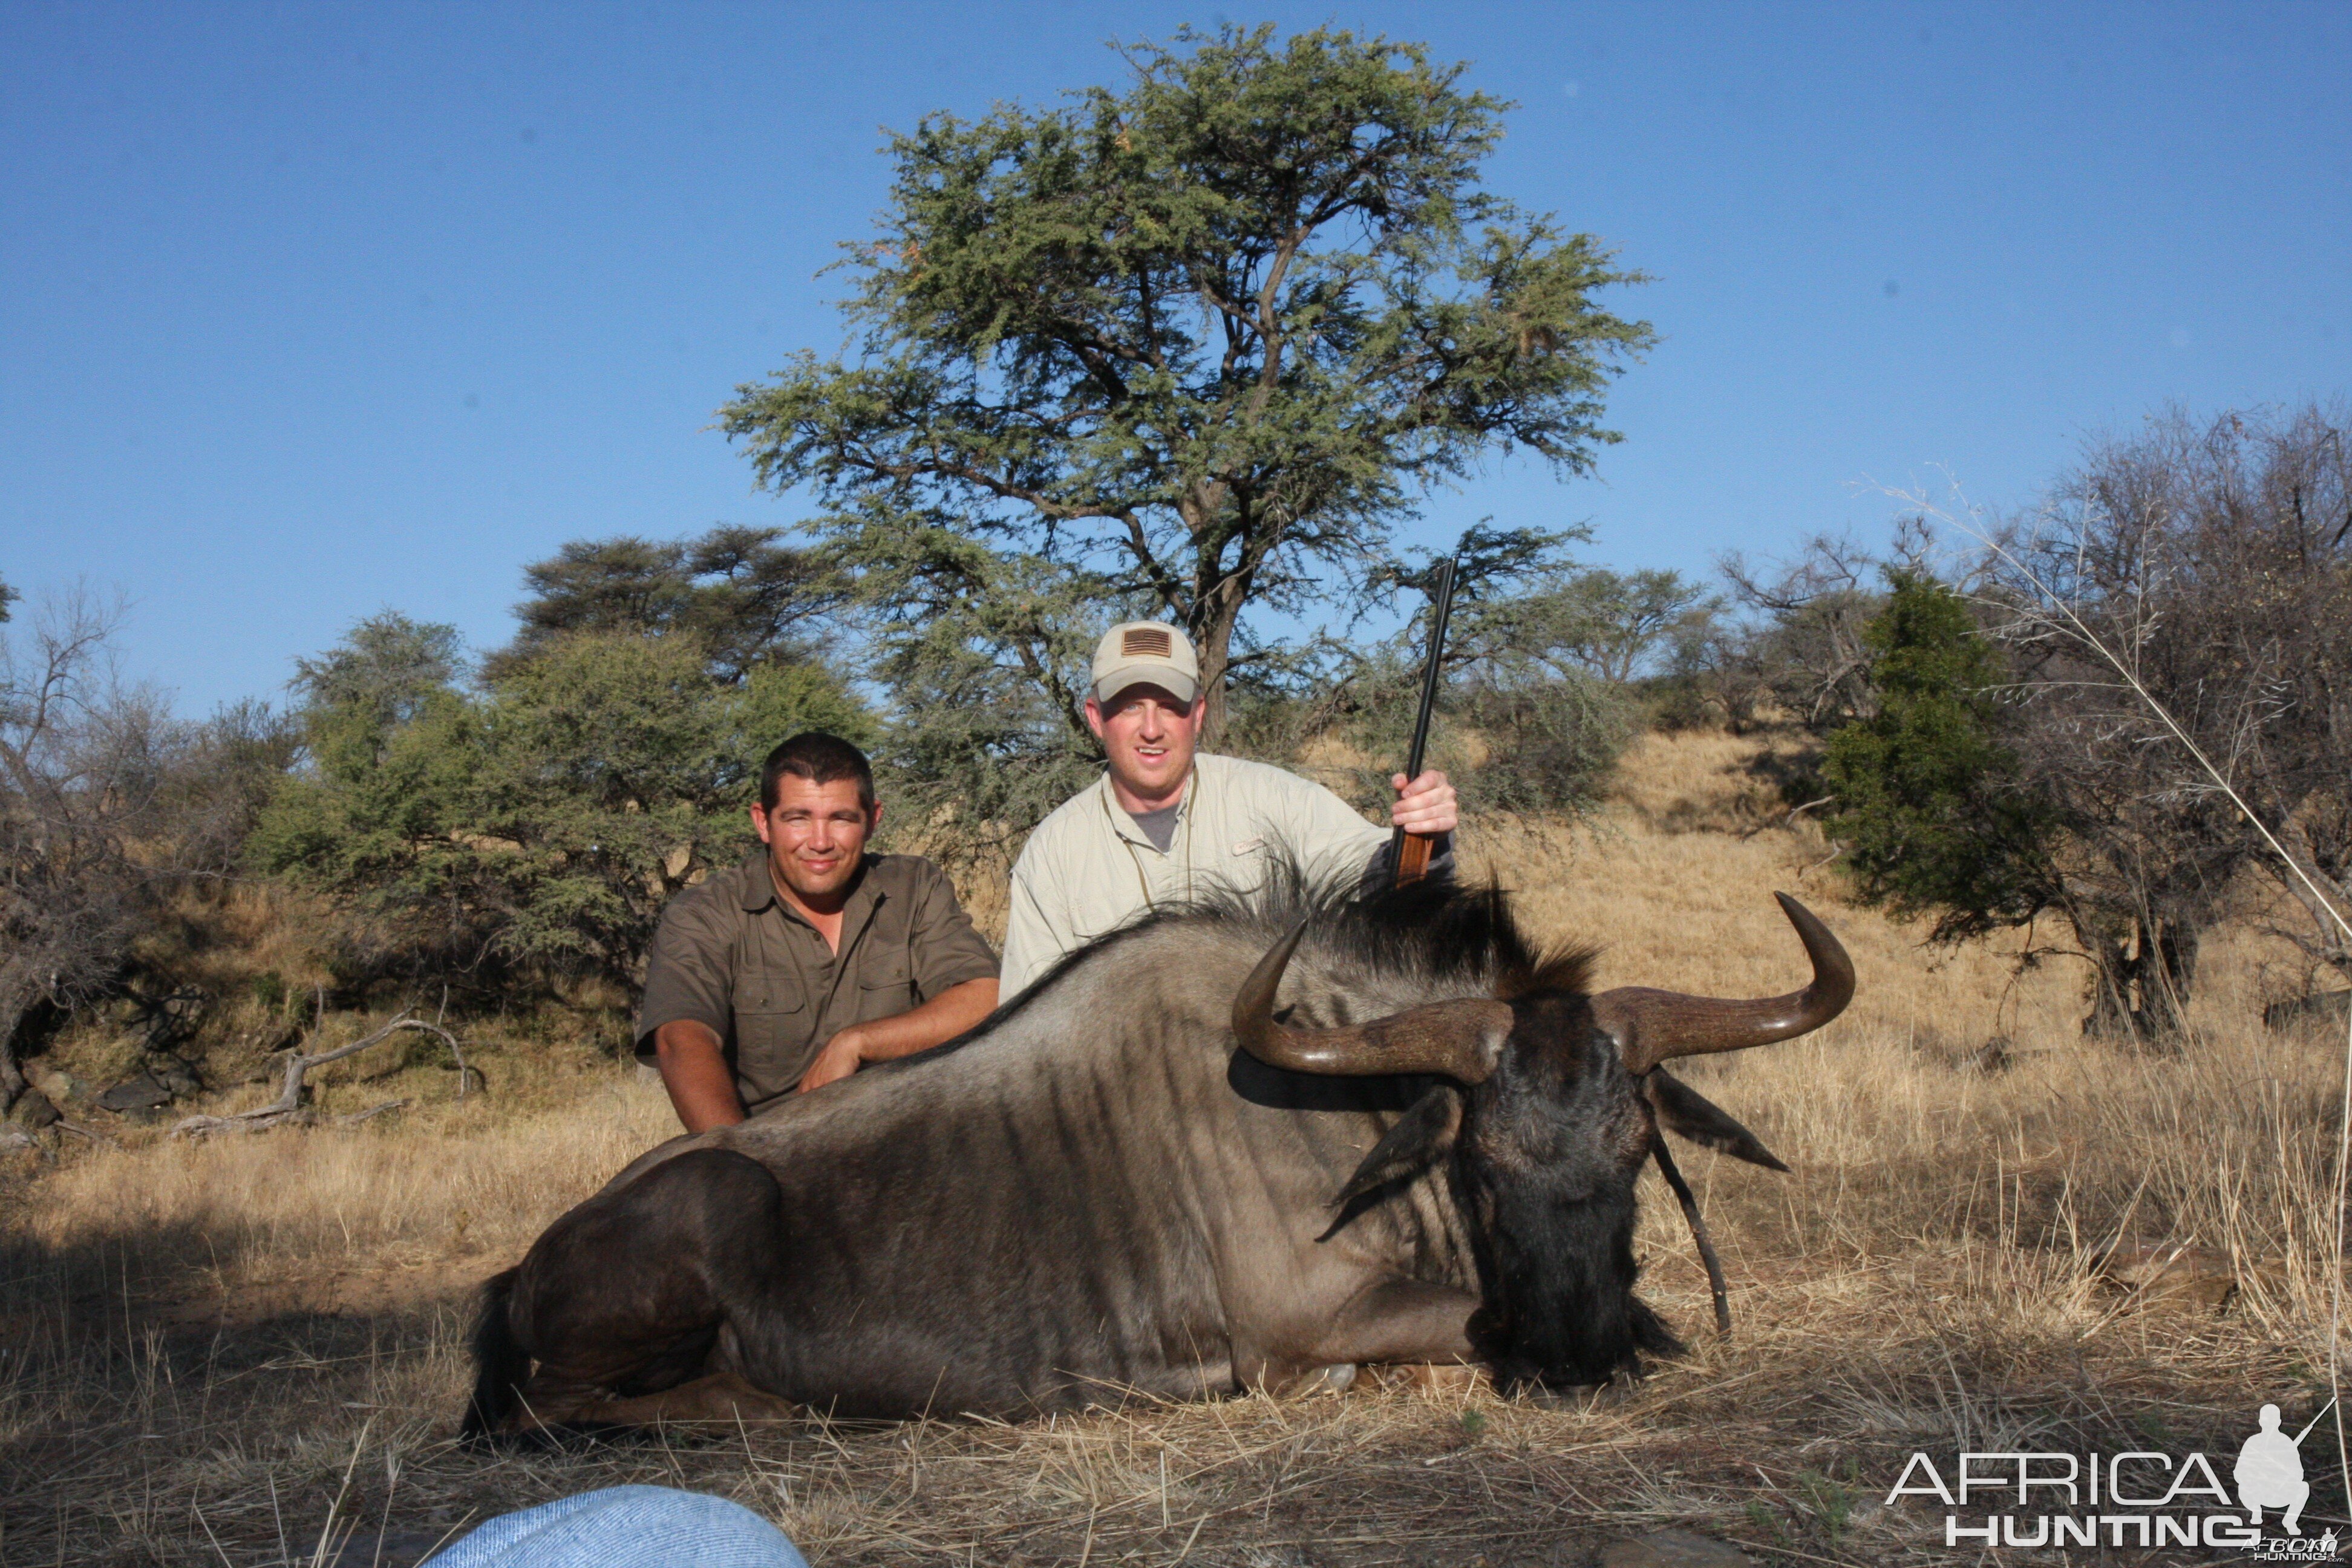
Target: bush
x=539 y=825
x=1930 y=803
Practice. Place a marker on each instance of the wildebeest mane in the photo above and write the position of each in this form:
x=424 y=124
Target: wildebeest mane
x=1451 y=935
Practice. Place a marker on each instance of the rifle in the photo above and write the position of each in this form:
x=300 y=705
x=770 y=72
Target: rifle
x=1409 y=852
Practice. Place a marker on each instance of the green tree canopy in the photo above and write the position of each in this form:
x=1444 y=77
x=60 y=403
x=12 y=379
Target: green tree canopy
x=537 y=824
x=745 y=597
x=1192 y=346
x=1929 y=798
x=378 y=678
x=1607 y=625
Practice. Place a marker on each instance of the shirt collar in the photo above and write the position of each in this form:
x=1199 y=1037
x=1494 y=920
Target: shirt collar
x=759 y=891
x=1123 y=824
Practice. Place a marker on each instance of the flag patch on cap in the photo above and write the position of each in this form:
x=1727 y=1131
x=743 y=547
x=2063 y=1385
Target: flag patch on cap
x=1144 y=642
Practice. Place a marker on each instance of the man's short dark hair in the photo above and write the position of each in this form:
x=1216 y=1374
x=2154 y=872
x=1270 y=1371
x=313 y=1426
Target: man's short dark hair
x=821 y=758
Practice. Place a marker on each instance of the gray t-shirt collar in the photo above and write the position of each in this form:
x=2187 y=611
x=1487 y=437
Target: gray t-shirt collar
x=1160 y=827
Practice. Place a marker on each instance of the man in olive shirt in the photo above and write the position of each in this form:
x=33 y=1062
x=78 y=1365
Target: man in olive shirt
x=811 y=956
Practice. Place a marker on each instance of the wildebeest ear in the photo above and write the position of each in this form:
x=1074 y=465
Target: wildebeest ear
x=1686 y=1112
x=1421 y=1136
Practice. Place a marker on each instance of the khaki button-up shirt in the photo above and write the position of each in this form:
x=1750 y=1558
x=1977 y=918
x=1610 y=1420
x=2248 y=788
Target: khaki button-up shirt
x=1088 y=868
x=734 y=956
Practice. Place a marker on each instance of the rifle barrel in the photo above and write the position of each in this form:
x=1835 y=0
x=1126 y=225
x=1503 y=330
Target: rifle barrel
x=1443 y=611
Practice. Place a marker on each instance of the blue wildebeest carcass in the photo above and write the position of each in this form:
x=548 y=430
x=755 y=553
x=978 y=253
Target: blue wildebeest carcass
x=1238 y=1145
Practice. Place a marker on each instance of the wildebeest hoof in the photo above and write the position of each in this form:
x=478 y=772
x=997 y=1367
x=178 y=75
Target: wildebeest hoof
x=1335 y=1378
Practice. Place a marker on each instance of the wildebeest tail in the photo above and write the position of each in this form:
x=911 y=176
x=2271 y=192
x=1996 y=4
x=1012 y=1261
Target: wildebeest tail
x=501 y=1365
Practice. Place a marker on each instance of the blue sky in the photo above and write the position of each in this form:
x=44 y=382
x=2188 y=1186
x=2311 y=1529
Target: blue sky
x=308 y=311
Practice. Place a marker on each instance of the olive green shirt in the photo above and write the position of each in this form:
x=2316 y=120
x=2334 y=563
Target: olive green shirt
x=734 y=956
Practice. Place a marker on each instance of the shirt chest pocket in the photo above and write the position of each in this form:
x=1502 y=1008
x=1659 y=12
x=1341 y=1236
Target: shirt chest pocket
x=1242 y=864
x=887 y=977
x=766 y=1023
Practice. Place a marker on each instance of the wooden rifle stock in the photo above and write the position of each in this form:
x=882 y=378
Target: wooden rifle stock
x=1409 y=852
x=1412 y=861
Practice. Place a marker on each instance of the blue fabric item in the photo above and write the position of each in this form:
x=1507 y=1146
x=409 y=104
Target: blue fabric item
x=624 y=1527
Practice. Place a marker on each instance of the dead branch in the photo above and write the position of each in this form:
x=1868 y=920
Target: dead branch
x=288 y=1109
x=1835 y=850
x=1789 y=817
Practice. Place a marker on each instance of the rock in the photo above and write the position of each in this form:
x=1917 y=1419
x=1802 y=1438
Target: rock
x=15 y=1140
x=177 y=1077
x=60 y=1087
x=140 y=1093
x=34 y=1109
x=1672 y=1548
x=2189 y=1276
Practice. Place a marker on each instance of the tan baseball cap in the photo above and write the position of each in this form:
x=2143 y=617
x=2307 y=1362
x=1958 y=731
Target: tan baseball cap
x=1146 y=652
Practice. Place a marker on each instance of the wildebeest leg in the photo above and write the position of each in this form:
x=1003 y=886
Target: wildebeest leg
x=1400 y=1320
x=723 y=1398
x=628 y=1294
x=1389 y=1321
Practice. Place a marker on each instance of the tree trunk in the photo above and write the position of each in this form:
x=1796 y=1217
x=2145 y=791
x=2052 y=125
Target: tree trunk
x=1212 y=640
x=12 y=1076
x=2143 y=984
x=1218 y=594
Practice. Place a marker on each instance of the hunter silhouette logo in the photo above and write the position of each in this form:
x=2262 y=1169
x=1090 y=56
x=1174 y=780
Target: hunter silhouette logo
x=2269 y=1470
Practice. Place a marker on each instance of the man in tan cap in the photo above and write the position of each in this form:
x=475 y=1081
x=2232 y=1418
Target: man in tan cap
x=1166 y=822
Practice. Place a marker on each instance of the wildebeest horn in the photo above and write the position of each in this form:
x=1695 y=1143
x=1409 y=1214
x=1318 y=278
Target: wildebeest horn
x=1459 y=1039
x=1652 y=1027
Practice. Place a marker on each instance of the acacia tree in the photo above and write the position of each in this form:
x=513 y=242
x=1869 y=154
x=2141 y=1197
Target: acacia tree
x=1195 y=346
x=748 y=599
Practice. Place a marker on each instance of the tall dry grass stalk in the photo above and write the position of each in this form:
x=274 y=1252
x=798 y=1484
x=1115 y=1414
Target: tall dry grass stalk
x=227 y=1352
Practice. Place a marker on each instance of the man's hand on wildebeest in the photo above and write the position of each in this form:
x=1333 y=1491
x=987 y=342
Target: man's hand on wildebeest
x=839 y=1059
x=940 y=1019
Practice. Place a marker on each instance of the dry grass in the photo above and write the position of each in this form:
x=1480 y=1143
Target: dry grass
x=204 y=1345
